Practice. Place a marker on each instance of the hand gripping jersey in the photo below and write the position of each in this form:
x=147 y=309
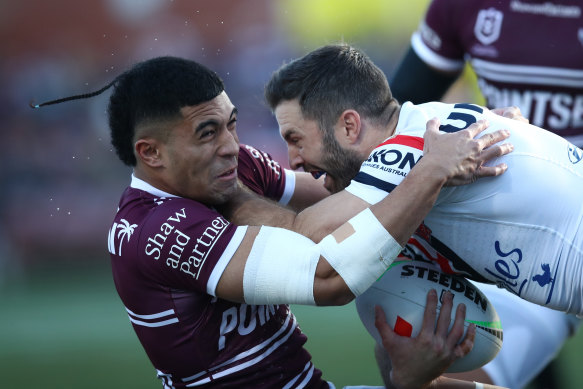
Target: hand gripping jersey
x=522 y=230
x=167 y=255
x=525 y=53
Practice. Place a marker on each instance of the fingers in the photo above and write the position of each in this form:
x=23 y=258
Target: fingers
x=430 y=311
x=431 y=132
x=490 y=171
x=477 y=127
x=380 y=321
x=432 y=125
x=457 y=329
x=512 y=112
x=383 y=327
x=496 y=151
x=463 y=348
x=452 y=338
x=490 y=154
x=491 y=150
x=492 y=138
x=444 y=315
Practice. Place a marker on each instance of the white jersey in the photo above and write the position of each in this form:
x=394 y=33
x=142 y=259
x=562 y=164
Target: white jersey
x=522 y=230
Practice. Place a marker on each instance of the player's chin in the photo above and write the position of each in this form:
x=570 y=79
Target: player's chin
x=223 y=191
x=332 y=184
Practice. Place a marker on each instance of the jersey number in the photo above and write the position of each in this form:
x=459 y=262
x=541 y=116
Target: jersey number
x=467 y=118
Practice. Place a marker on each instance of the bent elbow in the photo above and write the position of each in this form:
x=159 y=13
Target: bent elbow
x=332 y=292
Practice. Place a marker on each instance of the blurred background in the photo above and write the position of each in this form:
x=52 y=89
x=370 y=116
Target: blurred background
x=61 y=322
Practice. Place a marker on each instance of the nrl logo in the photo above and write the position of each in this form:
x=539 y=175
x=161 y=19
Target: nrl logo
x=488 y=25
x=575 y=154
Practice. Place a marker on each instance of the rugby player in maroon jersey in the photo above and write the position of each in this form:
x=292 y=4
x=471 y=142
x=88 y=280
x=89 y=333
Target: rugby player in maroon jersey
x=525 y=53
x=528 y=54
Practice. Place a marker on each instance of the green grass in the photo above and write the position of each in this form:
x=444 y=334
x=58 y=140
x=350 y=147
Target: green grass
x=69 y=330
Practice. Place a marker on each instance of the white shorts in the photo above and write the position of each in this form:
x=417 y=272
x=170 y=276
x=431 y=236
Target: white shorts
x=533 y=336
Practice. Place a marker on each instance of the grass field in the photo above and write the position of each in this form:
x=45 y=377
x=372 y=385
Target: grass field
x=69 y=330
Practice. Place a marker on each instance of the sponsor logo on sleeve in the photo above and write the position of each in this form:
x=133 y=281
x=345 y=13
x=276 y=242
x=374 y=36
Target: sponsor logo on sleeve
x=170 y=236
x=264 y=158
x=390 y=162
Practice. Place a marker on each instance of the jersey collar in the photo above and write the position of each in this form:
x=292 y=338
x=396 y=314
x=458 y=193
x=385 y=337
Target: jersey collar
x=140 y=184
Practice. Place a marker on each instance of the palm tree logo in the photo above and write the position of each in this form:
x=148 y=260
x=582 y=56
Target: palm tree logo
x=125 y=231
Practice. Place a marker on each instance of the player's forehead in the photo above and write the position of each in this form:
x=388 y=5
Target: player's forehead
x=292 y=122
x=218 y=109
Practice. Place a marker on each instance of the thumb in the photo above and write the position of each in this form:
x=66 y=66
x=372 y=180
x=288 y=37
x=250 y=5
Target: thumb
x=431 y=131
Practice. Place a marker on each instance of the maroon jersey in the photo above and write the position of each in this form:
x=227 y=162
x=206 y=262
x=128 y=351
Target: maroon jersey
x=525 y=53
x=167 y=256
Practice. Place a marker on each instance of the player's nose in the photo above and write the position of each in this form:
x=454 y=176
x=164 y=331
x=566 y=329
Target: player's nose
x=229 y=143
x=295 y=159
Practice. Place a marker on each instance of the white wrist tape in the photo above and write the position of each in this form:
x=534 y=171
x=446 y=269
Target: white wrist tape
x=280 y=268
x=362 y=253
x=479 y=385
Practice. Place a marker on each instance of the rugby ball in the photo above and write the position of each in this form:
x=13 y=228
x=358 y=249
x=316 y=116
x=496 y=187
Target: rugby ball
x=402 y=293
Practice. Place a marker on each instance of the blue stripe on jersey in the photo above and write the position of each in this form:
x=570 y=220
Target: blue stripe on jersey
x=367 y=179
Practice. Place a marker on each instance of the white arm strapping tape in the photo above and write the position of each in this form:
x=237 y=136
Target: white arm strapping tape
x=361 y=258
x=280 y=268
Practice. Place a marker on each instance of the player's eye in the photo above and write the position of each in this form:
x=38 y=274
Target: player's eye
x=207 y=133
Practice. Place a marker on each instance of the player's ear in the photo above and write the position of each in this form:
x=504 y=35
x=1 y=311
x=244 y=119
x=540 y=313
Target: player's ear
x=350 y=125
x=147 y=150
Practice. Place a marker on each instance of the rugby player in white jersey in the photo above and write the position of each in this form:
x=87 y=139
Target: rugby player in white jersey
x=208 y=298
x=332 y=118
x=524 y=53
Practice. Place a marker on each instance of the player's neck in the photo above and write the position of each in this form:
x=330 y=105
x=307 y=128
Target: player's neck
x=392 y=125
x=378 y=130
x=385 y=131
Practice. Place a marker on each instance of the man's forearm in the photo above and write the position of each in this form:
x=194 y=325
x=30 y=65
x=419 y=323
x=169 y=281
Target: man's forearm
x=248 y=208
x=400 y=213
x=404 y=209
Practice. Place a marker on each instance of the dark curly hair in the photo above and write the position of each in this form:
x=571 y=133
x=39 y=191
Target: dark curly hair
x=152 y=90
x=156 y=90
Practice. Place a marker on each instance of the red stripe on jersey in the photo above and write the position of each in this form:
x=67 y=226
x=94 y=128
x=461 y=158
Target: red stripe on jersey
x=406 y=140
x=443 y=263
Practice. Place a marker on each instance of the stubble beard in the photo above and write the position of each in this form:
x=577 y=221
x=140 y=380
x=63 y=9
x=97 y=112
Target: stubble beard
x=342 y=165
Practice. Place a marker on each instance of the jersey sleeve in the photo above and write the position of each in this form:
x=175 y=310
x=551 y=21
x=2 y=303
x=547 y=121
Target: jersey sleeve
x=185 y=245
x=387 y=165
x=265 y=176
x=437 y=40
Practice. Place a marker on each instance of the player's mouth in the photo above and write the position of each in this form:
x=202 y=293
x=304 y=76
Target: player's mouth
x=317 y=173
x=328 y=180
x=228 y=174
